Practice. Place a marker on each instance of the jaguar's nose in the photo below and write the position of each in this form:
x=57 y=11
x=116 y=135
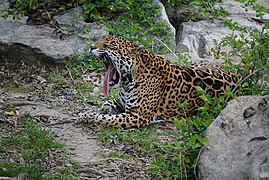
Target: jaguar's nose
x=92 y=47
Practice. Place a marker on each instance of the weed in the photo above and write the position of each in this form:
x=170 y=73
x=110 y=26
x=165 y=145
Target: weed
x=113 y=135
x=14 y=87
x=11 y=169
x=14 y=84
x=85 y=94
x=32 y=144
x=113 y=93
x=178 y=158
x=10 y=108
x=250 y=46
x=55 y=76
x=81 y=61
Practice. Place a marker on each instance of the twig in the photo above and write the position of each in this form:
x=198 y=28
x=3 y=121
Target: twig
x=22 y=103
x=91 y=170
x=59 y=123
x=199 y=154
x=265 y=67
x=119 y=159
x=167 y=47
x=243 y=80
x=182 y=167
x=70 y=74
x=181 y=174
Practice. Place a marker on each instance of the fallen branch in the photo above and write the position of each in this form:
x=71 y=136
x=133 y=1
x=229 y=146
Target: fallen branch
x=22 y=103
x=119 y=159
x=59 y=123
x=91 y=170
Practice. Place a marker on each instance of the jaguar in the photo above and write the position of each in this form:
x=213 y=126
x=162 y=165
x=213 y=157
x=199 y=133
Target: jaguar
x=151 y=86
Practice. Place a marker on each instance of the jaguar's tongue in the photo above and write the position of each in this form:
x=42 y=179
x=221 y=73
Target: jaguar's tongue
x=108 y=78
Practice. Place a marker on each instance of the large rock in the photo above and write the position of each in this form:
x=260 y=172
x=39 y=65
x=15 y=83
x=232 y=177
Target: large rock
x=164 y=18
x=39 y=44
x=238 y=142
x=197 y=38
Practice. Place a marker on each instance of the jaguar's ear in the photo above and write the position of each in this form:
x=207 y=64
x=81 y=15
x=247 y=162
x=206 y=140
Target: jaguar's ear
x=136 y=50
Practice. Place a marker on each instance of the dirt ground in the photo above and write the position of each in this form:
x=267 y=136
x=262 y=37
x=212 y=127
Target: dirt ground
x=57 y=111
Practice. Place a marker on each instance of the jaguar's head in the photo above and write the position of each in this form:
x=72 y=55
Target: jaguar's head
x=117 y=54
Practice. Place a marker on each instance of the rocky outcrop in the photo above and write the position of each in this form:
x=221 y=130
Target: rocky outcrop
x=238 y=142
x=45 y=44
x=41 y=44
x=164 y=18
x=197 y=38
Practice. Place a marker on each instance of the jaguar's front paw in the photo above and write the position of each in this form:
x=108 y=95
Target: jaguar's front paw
x=85 y=117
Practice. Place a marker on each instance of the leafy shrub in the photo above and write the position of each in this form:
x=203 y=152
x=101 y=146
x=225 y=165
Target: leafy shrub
x=179 y=158
x=83 y=60
x=250 y=46
x=18 y=8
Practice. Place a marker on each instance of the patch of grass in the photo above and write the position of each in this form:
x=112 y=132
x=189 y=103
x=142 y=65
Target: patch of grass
x=81 y=61
x=113 y=94
x=95 y=100
x=11 y=169
x=171 y=153
x=30 y=149
x=134 y=144
x=179 y=157
x=85 y=94
x=64 y=173
x=114 y=154
x=12 y=86
x=55 y=76
x=10 y=108
x=117 y=135
x=33 y=138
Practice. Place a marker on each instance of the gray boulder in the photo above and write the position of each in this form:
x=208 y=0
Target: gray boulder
x=164 y=18
x=238 y=142
x=197 y=38
x=40 y=44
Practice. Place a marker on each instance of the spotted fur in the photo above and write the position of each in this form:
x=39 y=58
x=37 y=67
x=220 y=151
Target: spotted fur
x=151 y=87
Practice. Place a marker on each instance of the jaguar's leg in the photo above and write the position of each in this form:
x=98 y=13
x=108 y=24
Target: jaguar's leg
x=124 y=120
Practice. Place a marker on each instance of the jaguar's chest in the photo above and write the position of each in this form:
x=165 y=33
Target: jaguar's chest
x=128 y=89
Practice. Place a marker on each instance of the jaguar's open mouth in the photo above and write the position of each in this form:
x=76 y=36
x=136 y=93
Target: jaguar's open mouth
x=112 y=76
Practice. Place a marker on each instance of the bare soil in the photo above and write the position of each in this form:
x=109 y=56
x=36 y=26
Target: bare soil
x=52 y=106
